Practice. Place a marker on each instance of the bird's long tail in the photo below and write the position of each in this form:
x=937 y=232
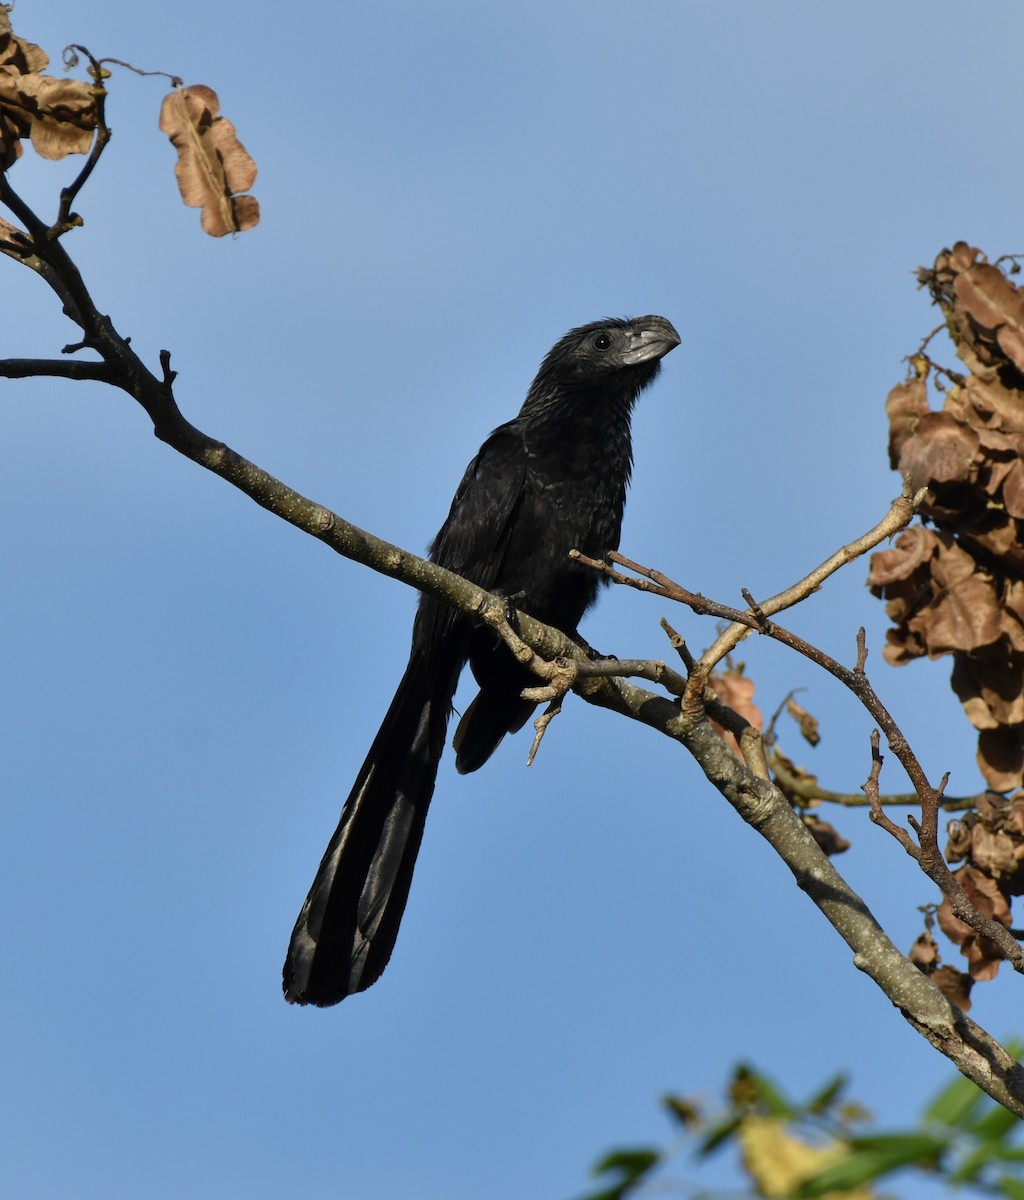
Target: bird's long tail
x=347 y=928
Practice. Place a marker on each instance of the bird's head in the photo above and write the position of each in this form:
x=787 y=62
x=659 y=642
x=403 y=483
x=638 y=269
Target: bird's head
x=623 y=353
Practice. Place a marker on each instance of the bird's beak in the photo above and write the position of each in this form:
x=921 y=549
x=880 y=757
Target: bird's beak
x=650 y=338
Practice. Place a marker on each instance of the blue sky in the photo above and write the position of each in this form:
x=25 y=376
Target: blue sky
x=190 y=685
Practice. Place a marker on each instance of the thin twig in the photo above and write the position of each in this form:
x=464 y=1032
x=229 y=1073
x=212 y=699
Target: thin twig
x=678 y=644
x=877 y=814
x=807 y=789
x=541 y=727
x=65 y=218
x=900 y=513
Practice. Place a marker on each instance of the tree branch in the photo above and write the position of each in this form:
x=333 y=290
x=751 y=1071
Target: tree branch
x=807 y=788
x=763 y=806
x=759 y=802
x=26 y=368
x=926 y=850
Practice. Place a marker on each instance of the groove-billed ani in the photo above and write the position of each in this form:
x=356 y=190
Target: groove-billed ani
x=553 y=479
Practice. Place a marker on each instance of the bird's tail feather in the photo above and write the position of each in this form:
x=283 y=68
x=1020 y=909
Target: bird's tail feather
x=490 y=716
x=348 y=925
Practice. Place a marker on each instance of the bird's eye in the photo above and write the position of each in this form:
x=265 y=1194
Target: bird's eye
x=602 y=341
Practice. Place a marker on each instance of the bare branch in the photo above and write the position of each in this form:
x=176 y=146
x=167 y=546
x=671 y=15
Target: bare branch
x=877 y=815
x=65 y=218
x=60 y=368
x=900 y=514
x=678 y=644
x=807 y=789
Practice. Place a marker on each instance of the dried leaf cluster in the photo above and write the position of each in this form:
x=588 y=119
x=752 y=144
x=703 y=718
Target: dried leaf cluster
x=57 y=115
x=956 y=584
x=954 y=984
x=990 y=844
x=62 y=116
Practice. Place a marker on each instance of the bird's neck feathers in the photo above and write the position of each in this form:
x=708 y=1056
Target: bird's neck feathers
x=560 y=413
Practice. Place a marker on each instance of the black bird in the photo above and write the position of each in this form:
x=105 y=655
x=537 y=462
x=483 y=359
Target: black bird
x=552 y=480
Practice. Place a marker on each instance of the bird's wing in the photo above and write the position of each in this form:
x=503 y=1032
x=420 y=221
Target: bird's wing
x=473 y=539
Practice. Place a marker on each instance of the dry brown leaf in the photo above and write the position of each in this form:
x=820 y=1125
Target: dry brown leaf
x=15 y=52
x=962 y=257
x=925 y=952
x=213 y=167
x=808 y=723
x=955 y=986
x=968 y=683
x=1001 y=757
x=906 y=404
x=996 y=309
x=985 y=894
x=736 y=690
x=901 y=648
x=1015 y=815
x=1000 y=536
x=989 y=404
x=993 y=678
x=912 y=551
x=59 y=115
x=964 y=611
x=940 y=451
x=983 y=956
x=830 y=840
x=993 y=852
x=1013 y=490
x=959 y=844
x=991 y=839
x=1013 y=597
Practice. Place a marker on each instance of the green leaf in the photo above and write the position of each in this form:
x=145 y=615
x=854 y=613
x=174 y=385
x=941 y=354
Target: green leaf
x=686 y=1112
x=748 y=1089
x=1014 y=1188
x=912 y=1145
x=1006 y=1153
x=630 y=1162
x=972 y=1166
x=632 y=1165
x=823 y=1100
x=612 y=1193
x=954 y=1104
x=871 y=1158
x=995 y=1124
x=717 y=1136
x=773 y=1100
